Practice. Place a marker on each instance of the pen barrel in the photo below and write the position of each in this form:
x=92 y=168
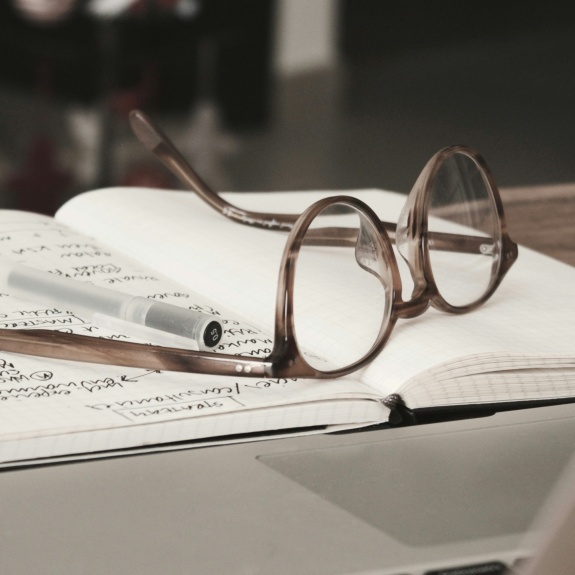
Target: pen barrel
x=81 y=298
x=86 y=299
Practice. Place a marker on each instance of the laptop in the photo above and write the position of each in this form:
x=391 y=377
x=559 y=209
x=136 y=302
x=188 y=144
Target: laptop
x=555 y=554
x=450 y=498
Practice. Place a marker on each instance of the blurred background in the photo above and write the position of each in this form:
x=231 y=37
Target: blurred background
x=281 y=94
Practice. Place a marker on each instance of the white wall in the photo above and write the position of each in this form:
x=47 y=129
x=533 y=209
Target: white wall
x=305 y=32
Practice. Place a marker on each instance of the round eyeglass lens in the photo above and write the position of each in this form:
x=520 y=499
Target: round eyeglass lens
x=342 y=289
x=464 y=233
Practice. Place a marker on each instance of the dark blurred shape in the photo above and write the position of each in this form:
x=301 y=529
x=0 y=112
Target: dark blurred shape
x=61 y=60
x=148 y=43
x=39 y=183
x=375 y=28
x=146 y=175
x=372 y=32
x=45 y=11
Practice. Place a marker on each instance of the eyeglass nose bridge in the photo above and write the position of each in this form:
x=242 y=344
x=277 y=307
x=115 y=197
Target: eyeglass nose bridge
x=412 y=308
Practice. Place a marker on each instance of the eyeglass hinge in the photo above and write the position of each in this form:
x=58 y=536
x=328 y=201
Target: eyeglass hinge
x=487 y=249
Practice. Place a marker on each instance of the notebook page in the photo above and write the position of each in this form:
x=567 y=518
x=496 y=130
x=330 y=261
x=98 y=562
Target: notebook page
x=43 y=397
x=236 y=265
x=528 y=323
x=207 y=252
x=531 y=314
x=296 y=419
x=517 y=347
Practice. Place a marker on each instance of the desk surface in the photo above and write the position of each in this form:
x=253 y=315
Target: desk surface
x=542 y=218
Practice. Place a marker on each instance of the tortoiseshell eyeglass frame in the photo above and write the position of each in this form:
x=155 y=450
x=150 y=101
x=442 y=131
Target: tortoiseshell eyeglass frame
x=286 y=359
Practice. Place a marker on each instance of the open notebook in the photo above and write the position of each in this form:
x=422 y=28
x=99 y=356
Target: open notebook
x=170 y=246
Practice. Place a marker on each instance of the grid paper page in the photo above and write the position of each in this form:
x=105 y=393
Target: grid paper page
x=531 y=315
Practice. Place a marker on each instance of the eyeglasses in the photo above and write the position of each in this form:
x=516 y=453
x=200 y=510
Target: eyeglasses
x=339 y=290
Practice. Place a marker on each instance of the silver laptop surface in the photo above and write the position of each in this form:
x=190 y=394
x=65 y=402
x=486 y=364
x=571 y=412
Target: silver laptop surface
x=555 y=552
x=455 y=498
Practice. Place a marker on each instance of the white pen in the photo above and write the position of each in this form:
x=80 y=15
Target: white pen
x=112 y=309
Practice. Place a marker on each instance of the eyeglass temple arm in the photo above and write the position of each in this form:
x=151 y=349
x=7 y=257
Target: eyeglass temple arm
x=156 y=141
x=57 y=345
x=347 y=237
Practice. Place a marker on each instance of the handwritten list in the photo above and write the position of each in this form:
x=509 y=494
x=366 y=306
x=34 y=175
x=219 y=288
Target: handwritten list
x=41 y=397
